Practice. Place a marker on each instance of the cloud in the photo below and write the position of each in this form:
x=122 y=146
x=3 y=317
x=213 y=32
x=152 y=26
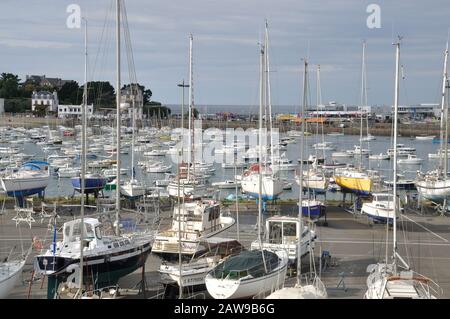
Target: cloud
x=34 y=44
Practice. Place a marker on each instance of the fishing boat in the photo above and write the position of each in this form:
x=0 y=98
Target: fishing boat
x=282 y=232
x=210 y=253
x=313 y=209
x=198 y=220
x=380 y=209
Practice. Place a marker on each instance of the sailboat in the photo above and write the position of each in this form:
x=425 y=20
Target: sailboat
x=385 y=281
x=210 y=253
x=192 y=187
x=314 y=179
x=133 y=188
x=85 y=254
x=435 y=185
x=271 y=185
x=315 y=288
x=357 y=180
x=258 y=271
x=11 y=269
x=31 y=178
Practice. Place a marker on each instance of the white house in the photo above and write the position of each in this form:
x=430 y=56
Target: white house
x=66 y=111
x=45 y=98
x=127 y=97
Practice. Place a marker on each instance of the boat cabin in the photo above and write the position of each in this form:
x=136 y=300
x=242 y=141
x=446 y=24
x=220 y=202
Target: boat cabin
x=198 y=217
x=92 y=232
x=281 y=232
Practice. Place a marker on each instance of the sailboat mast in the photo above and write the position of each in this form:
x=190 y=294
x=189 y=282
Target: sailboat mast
x=260 y=186
x=444 y=117
x=269 y=97
x=361 y=104
x=319 y=102
x=191 y=97
x=83 y=155
x=396 y=96
x=134 y=128
x=300 y=204
x=118 y=115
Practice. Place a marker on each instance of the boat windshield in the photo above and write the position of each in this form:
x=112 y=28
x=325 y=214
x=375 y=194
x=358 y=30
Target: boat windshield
x=246 y=264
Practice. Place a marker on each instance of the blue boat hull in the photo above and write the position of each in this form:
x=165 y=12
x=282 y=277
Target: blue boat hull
x=380 y=219
x=264 y=197
x=316 y=190
x=313 y=212
x=26 y=192
x=91 y=185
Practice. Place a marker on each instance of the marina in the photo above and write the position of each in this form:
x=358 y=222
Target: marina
x=118 y=196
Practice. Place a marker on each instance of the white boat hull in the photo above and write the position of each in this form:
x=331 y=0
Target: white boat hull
x=434 y=190
x=9 y=276
x=271 y=187
x=238 y=289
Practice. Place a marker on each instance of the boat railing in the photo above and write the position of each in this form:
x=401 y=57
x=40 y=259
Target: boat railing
x=429 y=286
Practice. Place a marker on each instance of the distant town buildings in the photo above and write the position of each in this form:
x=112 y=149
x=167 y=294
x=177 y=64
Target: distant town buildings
x=419 y=112
x=74 y=111
x=2 y=106
x=127 y=95
x=44 y=100
x=43 y=81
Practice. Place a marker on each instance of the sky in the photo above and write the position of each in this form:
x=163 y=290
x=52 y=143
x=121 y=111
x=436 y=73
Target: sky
x=34 y=39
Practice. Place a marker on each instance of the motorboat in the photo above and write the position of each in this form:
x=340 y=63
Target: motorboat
x=281 y=232
x=410 y=160
x=198 y=220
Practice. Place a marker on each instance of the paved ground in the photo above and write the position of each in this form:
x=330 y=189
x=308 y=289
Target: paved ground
x=424 y=242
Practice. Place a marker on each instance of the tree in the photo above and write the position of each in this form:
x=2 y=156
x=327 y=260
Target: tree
x=9 y=85
x=100 y=93
x=69 y=93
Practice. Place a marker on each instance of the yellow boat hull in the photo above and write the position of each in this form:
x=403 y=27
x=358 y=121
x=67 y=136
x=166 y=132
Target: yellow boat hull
x=361 y=186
